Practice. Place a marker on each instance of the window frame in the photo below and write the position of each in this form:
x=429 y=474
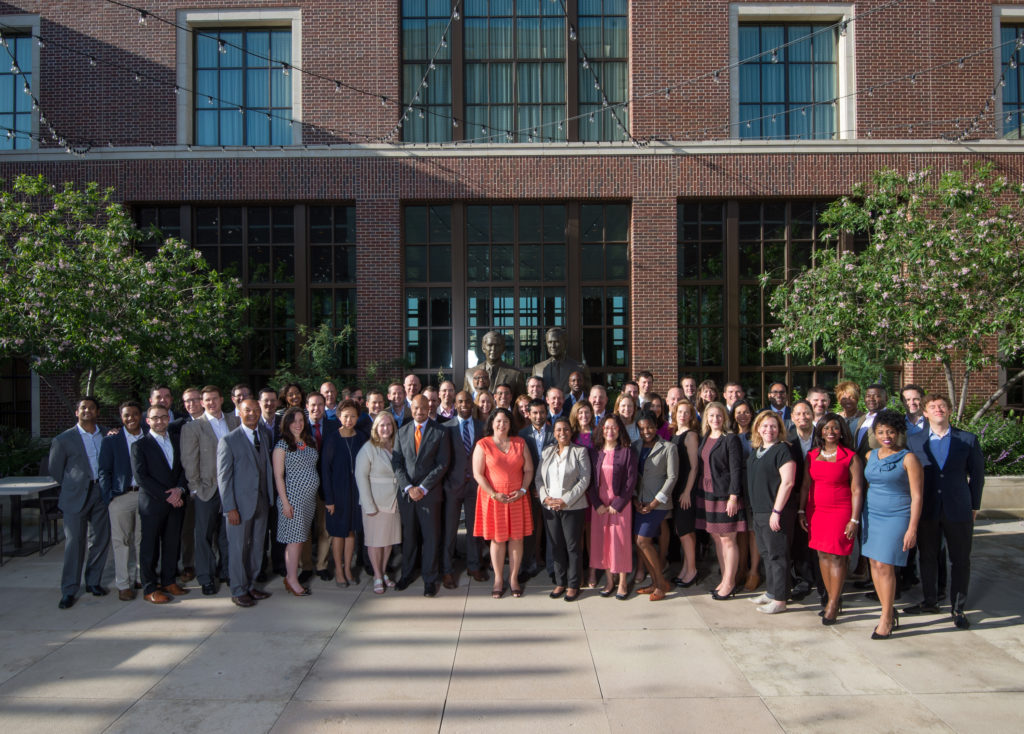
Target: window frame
x=1004 y=15
x=788 y=13
x=190 y=21
x=22 y=24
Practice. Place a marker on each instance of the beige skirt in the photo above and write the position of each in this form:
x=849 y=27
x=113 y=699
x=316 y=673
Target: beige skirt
x=382 y=530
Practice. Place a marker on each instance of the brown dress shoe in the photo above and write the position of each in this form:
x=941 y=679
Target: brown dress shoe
x=245 y=600
x=480 y=576
x=157 y=597
x=174 y=589
x=259 y=595
x=752 y=582
x=448 y=581
x=126 y=594
x=188 y=574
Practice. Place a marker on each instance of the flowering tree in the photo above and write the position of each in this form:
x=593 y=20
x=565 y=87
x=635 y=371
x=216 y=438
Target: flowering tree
x=76 y=296
x=939 y=277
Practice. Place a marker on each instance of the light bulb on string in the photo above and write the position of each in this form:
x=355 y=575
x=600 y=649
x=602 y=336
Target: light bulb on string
x=597 y=84
x=14 y=68
x=209 y=100
x=221 y=48
x=432 y=66
x=40 y=43
x=717 y=76
x=137 y=77
x=586 y=63
x=383 y=102
x=960 y=63
x=775 y=55
x=668 y=93
x=1002 y=81
x=913 y=78
x=455 y=123
x=285 y=68
x=142 y=17
x=92 y=61
x=3 y=40
x=591 y=117
x=1013 y=62
x=444 y=42
x=337 y=86
x=455 y=14
x=572 y=33
x=420 y=114
x=842 y=29
x=177 y=90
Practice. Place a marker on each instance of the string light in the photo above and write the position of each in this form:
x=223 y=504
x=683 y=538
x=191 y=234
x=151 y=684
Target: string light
x=142 y=17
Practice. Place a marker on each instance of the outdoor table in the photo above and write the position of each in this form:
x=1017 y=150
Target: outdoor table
x=19 y=488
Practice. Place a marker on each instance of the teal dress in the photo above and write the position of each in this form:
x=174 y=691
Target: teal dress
x=886 y=509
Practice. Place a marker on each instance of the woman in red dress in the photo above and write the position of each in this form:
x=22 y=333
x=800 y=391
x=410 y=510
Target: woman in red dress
x=833 y=492
x=503 y=470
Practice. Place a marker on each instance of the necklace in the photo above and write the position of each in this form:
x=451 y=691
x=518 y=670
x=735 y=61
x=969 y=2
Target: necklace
x=762 y=451
x=823 y=455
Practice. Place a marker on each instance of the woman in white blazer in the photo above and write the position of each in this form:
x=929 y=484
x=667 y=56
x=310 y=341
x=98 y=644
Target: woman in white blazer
x=562 y=481
x=378 y=497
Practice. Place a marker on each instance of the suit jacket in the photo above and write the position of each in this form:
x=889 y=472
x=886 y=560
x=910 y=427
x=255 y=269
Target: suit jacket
x=456 y=481
x=175 y=426
x=375 y=479
x=199 y=455
x=401 y=418
x=527 y=435
x=155 y=476
x=955 y=489
x=660 y=471
x=624 y=474
x=725 y=462
x=238 y=477
x=115 y=466
x=427 y=468
x=69 y=466
x=329 y=425
x=867 y=442
x=576 y=480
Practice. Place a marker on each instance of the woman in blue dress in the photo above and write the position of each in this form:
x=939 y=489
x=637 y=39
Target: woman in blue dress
x=892 y=509
x=341 y=494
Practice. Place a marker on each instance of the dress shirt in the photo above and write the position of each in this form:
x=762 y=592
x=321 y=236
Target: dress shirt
x=778 y=411
x=250 y=433
x=939 y=444
x=330 y=412
x=220 y=425
x=865 y=425
x=130 y=439
x=538 y=438
x=916 y=426
x=463 y=428
x=446 y=414
x=421 y=427
x=91 y=442
x=164 y=442
x=554 y=474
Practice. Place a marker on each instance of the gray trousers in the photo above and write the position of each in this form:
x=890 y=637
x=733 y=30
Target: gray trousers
x=88 y=530
x=453 y=504
x=188 y=536
x=125 y=536
x=246 y=543
x=210 y=533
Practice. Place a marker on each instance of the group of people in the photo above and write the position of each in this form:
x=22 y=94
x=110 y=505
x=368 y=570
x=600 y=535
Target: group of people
x=554 y=479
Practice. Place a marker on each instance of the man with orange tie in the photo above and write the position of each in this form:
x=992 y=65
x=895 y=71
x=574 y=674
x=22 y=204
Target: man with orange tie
x=420 y=461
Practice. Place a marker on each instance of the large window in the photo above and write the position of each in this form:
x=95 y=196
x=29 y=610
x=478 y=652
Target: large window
x=788 y=81
x=1012 y=38
x=515 y=70
x=15 y=394
x=520 y=269
x=15 y=105
x=243 y=86
x=719 y=285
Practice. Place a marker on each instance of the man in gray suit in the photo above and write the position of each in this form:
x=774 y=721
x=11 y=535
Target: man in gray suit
x=74 y=464
x=460 y=491
x=420 y=460
x=245 y=478
x=199 y=459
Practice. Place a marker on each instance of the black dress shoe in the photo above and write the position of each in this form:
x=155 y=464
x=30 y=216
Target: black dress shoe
x=430 y=590
x=209 y=589
x=324 y=575
x=960 y=619
x=305 y=576
x=67 y=601
x=96 y=590
x=922 y=608
x=403 y=584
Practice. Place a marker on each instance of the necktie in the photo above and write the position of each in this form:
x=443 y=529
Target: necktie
x=419 y=437
x=316 y=435
x=467 y=440
x=256 y=439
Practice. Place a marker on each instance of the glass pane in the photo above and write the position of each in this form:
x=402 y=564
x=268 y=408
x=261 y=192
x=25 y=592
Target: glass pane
x=713 y=264
x=617 y=259
x=479 y=306
x=617 y=222
x=416 y=348
x=440 y=262
x=440 y=224
x=416 y=263
x=592 y=307
x=259 y=264
x=478 y=223
x=416 y=307
x=592 y=260
x=712 y=308
x=441 y=347
x=320 y=258
x=750 y=304
x=440 y=307
x=749 y=259
x=284 y=264
x=529 y=262
x=529 y=223
x=478 y=262
x=591 y=223
x=712 y=352
x=231 y=225
x=502 y=218
x=554 y=224
x=502 y=263
x=554 y=262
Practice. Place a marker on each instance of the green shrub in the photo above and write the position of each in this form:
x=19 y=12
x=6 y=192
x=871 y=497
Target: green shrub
x=1002 y=442
x=20 y=453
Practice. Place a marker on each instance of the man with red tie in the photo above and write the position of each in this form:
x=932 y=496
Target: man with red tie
x=319 y=425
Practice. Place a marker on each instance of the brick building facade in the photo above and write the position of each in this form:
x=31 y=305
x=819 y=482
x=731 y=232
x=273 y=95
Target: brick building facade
x=648 y=254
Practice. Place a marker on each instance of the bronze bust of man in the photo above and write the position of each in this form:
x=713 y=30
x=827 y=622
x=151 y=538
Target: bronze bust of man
x=498 y=372
x=556 y=369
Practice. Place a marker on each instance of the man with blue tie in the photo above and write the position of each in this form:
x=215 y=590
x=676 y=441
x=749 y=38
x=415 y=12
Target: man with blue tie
x=460 y=492
x=120 y=488
x=74 y=464
x=538 y=435
x=954 y=477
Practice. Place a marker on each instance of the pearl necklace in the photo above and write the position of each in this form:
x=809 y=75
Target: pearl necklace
x=823 y=455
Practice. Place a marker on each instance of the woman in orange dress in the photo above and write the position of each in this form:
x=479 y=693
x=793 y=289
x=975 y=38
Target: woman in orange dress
x=503 y=470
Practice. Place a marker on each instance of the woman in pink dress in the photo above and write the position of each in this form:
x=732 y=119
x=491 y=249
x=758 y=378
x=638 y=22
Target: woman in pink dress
x=611 y=493
x=830 y=503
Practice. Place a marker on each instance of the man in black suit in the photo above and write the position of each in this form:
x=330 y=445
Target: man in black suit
x=74 y=464
x=537 y=436
x=954 y=476
x=156 y=461
x=460 y=491
x=875 y=399
x=420 y=460
x=120 y=490
x=319 y=426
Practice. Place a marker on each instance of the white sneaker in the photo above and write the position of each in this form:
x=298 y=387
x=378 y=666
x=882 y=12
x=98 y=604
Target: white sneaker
x=772 y=607
x=762 y=599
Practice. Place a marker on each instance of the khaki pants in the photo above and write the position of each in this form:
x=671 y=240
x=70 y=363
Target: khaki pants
x=125 y=536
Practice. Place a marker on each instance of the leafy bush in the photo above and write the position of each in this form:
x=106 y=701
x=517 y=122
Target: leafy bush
x=20 y=453
x=1002 y=442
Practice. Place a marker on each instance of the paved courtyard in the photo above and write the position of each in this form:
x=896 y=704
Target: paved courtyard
x=347 y=660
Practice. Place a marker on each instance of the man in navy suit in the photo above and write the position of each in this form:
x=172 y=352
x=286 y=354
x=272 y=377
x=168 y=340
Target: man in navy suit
x=120 y=490
x=537 y=435
x=74 y=464
x=156 y=461
x=420 y=461
x=319 y=427
x=460 y=491
x=954 y=476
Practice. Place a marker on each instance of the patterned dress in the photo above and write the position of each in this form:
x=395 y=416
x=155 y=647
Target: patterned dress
x=301 y=482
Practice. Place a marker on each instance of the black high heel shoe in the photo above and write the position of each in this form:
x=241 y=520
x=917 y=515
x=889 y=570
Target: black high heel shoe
x=721 y=597
x=895 y=625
